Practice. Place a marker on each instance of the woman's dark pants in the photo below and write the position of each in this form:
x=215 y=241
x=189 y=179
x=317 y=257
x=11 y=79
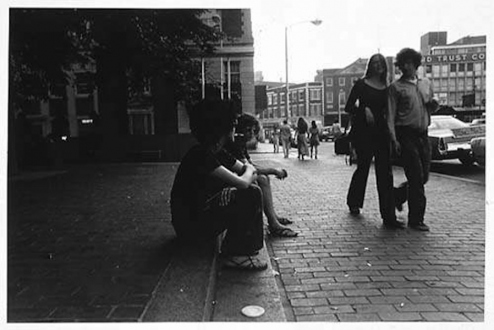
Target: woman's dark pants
x=379 y=149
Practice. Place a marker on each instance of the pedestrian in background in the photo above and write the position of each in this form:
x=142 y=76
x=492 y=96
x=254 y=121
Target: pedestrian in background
x=276 y=140
x=410 y=103
x=314 y=139
x=285 y=135
x=213 y=192
x=370 y=138
x=302 y=132
x=246 y=128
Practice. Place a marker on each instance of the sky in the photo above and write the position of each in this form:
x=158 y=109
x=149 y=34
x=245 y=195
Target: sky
x=353 y=29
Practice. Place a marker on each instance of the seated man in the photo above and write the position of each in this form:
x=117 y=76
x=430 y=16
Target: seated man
x=213 y=192
x=245 y=129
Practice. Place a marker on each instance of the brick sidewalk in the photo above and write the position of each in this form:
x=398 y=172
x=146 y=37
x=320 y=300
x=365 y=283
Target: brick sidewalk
x=342 y=268
x=89 y=244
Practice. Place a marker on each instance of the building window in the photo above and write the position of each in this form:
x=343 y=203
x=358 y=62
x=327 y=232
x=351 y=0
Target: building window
x=329 y=97
x=444 y=70
x=478 y=69
x=469 y=84
x=329 y=82
x=477 y=84
x=282 y=98
x=84 y=84
x=452 y=84
x=342 y=98
x=141 y=121
x=461 y=84
x=428 y=68
x=435 y=84
x=444 y=85
x=231 y=80
x=293 y=96
x=270 y=99
x=318 y=109
x=452 y=70
x=341 y=81
x=315 y=94
x=275 y=99
x=435 y=70
x=469 y=69
x=301 y=95
x=452 y=99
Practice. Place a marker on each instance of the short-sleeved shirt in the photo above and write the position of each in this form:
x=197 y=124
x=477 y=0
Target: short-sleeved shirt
x=194 y=184
x=407 y=104
x=285 y=132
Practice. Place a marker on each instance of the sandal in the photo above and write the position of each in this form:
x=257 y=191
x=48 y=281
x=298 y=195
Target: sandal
x=282 y=232
x=244 y=263
x=284 y=221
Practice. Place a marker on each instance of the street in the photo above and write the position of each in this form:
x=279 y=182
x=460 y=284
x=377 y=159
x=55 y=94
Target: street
x=344 y=268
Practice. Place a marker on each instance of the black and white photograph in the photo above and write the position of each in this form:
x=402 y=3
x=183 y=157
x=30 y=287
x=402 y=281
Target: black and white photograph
x=313 y=163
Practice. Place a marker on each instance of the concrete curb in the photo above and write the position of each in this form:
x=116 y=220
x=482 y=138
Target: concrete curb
x=236 y=289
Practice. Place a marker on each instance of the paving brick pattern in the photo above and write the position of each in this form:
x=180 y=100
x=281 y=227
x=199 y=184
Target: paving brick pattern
x=89 y=244
x=351 y=269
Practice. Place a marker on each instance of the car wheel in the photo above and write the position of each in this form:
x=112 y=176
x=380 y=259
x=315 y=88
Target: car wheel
x=467 y=160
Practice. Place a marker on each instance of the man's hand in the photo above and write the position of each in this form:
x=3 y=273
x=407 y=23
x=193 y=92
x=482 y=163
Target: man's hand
x=281 y=174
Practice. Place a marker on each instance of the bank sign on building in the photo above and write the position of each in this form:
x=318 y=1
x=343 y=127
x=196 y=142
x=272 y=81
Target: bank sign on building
x=457 y=70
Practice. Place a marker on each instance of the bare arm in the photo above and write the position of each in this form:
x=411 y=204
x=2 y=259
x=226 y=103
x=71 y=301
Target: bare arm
x=238 y=181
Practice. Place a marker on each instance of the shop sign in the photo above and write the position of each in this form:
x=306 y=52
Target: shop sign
x=454 y=58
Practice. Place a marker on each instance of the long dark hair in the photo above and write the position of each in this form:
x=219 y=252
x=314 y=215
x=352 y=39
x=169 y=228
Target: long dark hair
x=302 y=125
x=369 y=70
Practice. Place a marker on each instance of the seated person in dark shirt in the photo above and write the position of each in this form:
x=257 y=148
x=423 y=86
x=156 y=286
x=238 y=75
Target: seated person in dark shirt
x=213 y=192
x=245 y=131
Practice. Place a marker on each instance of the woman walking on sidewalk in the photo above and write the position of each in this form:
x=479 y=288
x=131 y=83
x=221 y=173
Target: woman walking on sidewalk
x=314 y=139
x=213 y=192
x=370 y=137
x=302 y=131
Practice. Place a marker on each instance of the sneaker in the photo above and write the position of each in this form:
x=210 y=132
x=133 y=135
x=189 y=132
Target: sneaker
x=419 y=226
x=354 y=210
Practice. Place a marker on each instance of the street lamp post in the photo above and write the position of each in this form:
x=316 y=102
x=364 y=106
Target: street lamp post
x=287 y=85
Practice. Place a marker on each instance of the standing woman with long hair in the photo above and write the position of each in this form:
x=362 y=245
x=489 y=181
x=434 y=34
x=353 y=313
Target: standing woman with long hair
x=370 y=138
x=302 y=131
x=314 y=139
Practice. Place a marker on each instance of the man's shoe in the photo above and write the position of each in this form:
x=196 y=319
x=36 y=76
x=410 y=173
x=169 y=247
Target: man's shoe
x=354 y=210
x=394 y=224
x=419 y=226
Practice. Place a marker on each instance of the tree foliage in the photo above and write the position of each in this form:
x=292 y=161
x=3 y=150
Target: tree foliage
x=145 y=43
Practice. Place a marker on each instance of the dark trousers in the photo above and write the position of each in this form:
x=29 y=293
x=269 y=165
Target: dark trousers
x=416 y=159
x=366 y=150
x=242 y=220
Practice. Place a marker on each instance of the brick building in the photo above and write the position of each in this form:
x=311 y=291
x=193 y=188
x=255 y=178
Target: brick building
x=306 y=101
x=457 y=70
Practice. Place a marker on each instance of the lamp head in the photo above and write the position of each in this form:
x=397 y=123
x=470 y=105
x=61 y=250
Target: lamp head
x=316 y=22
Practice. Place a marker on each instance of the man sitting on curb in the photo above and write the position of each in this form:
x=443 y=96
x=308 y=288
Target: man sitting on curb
x=245 y=131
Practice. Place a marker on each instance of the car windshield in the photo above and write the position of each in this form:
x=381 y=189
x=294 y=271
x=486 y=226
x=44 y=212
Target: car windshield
x=446 y=123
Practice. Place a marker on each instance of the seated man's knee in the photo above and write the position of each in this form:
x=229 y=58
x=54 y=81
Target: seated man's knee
x=263 y=180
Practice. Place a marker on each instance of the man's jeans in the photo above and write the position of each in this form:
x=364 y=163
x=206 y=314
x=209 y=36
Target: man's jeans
x=416 y=159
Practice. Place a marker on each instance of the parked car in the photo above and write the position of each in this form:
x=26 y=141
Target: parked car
x=450 y=138
x=478 y=150
x=326 y=134
x=478 y=121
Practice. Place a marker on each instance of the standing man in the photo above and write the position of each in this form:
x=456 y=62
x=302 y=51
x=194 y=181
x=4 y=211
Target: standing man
x=410 y=102
x=285 y=134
